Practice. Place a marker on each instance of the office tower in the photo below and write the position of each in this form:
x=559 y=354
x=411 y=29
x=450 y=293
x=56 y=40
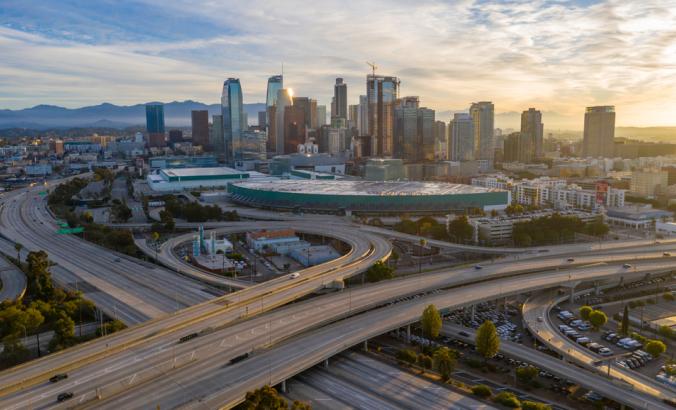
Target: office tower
x=200 y=127
x=440 y=140
x=531 y=125
x=275 y=83
x=216 y=135
x=461 y=138
x=283 y=100
x=413 y=131
x=518 y=148
x=175 y=136
x=304 y=103
x=262 y=119
x=340 y=99
x=234 y=121
x=271 y=143
x=482 y=114
x=294 y=128
x=321 y=115
x=382 y=93
x=155 y=125
x=313 y=121
x=352 y=116
x=599 y=131
x=363 y=118
x=426 y=131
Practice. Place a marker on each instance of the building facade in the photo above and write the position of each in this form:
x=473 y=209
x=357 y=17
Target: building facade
x=234 y=121
x=532 y=128
x=200 y=127
x=155 y=125
x=382 y=93
x=482 y=114
x=599 y=131
x=461 y=138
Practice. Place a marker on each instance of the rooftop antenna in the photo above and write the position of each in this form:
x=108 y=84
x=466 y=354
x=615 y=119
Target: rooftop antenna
x=373 y=67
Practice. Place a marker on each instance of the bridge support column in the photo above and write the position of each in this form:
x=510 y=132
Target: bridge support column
x=283 y=386
x=596 y=287
x=571 y=299
x=408 y=334
x=366 y=345
x=472 y=312
x=326 y=363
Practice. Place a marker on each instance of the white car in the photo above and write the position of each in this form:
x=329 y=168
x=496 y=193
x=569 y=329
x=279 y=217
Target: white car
x=294 y=275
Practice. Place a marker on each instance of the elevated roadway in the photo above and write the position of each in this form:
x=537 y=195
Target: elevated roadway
x=13 y=281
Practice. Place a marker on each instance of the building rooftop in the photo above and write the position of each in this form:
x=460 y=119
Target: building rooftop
x=637 y=213
x=201 y=172
x=280 y=233
x=361 y=188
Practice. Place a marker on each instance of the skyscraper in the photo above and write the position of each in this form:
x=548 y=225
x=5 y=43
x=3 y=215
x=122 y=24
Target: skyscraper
x=352 y=116
x=440 y=143
x=531 y=126
x=275 y=83
x=363 y=118
x=294 y=128
x=382 y=93
x=216 y=135
x=482 y=114
x=200 y=127
x=262 y=119
x=283 y=100
x=233 y=118
x=461 y=138
x=155 y=125
x=340 y=99
x=413 y=131
x=518 y=148
x=321 y=115
x=304 y=103
x=599 y=131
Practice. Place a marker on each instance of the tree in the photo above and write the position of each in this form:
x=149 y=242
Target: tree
x=585 y=311
x=507 y=399
x=167 y=220
x=265 y=398
x=406 y=355
x=624 y=326
x=655 y=347
x=534 y=405
x=597 y=318
x=460 y=230
x=430 y=321
x=379 y=271
x=300 y=405
x=424 y=361
x=487 y=341
x=444 y=362
x=526 y=374
x=666 y=331
x=18 y=248
x=32 y=321
x=13 y=351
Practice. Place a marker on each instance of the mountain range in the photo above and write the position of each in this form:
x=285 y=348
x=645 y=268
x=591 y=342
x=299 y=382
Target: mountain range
x=176 y=114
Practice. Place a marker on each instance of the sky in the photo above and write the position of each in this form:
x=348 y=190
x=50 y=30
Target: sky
x=556 y=56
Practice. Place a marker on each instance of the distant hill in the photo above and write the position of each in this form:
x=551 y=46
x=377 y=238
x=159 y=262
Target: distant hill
x=176 y=114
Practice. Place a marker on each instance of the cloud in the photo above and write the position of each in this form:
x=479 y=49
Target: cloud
x=554 y=55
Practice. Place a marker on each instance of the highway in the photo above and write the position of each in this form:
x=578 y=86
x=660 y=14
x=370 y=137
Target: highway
x=588 y=379
x=13 y=281
x=361 y=382
x=212 y=383
x=539 y=306
x=123 y=287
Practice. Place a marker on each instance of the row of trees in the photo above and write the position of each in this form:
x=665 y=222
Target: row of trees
x=459 y=229
x=196 y=212
x=267 y=398
x=44 y=307
x=554 y=229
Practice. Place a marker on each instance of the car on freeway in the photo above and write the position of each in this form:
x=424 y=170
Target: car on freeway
x=571 y=259
x=294 y=275
x=626 y=265
x=64 y=396
x=463 y=333
x=666 y=254
x=478 y=267
x=58 y=377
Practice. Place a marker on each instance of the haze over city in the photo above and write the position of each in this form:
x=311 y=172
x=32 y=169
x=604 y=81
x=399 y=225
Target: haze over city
x=556 y=56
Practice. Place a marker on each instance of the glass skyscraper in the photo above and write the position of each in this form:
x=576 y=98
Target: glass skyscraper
x=275 y=83
x=482 y=114
x=155 y=125
x=233 y=118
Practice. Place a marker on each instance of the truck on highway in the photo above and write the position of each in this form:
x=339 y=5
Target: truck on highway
x=239 y=358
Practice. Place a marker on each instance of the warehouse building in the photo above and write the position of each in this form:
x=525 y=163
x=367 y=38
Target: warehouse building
x=180 y=179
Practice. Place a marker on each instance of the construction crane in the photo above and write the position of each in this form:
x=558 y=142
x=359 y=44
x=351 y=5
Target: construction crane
x=373 y=67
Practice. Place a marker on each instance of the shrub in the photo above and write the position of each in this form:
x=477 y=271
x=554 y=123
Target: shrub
x=533 y=405
x=655 y=347
x=507 y=399
x=668 y=296
x=482 y=391
x=526 y=374
x=407 y=356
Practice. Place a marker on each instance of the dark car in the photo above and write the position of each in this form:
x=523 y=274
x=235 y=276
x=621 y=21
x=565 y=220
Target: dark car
x=64 y=396
x=58 y=377
x=463 y=333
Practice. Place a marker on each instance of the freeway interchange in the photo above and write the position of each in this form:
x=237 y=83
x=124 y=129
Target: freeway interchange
x=146 y=365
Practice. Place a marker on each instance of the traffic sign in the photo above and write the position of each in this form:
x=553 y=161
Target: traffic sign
x=67 y=231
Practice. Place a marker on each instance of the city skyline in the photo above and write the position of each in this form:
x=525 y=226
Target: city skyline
x=517 y=55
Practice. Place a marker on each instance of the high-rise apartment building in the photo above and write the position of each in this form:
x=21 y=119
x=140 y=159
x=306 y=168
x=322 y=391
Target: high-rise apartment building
x=599 y=131
x=461 y=138
x=155 y=125
x=531 y=126
x=518 y=147
x=216 y=134
x=482 y=114
x=275 y=83
x=340 y=99
x=440 y=140
x=283 y=100
x=234 y=121
x=382 y=93
x=200 y=127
